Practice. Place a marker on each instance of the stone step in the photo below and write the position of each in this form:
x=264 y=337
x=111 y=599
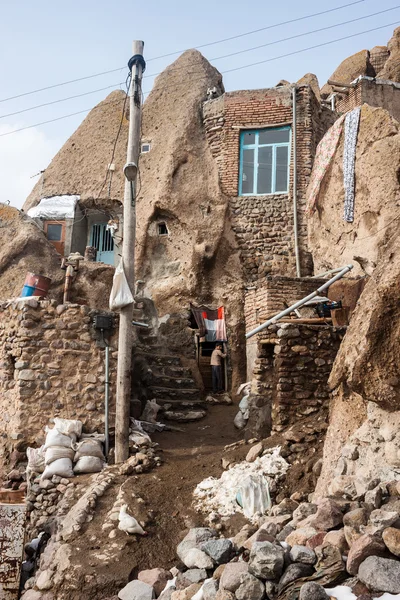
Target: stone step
x=175 y=383
x=179 y=404
x=154 y=358
x=165 y=393
x=171 y=371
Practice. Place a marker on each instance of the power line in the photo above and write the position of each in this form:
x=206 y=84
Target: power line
x=49 y=87
x=211 y=59
x=227 y=71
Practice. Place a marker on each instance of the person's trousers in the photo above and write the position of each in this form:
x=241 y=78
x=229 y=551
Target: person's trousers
x=216 y=378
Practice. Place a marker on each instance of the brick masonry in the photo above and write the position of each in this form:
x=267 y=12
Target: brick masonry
x=264 y=224
x=374 y=92
x=50 y=365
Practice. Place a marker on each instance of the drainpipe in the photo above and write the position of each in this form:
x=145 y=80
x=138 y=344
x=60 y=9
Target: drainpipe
x=299 y=303
x=106 y=396
x=294 y=149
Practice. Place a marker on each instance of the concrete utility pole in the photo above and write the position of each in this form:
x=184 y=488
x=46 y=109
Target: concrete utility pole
x=136 y=65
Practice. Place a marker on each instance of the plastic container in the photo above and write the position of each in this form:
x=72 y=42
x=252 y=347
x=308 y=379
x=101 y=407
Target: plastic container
x=35 y=285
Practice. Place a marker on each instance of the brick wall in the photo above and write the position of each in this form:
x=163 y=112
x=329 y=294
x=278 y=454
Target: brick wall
x=264 y=224
x=372 y=92
x=50 y=365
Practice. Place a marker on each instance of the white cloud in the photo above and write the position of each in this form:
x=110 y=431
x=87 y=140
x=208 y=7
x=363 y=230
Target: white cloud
x=22 y=155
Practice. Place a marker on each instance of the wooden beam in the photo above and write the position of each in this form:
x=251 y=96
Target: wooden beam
x=338 y=84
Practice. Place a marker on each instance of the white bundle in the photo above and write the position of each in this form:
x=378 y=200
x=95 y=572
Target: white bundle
x=35 y=459
x=55 y=438
x=89 y=447
x=56 y=452
x=61 y=467
x=69 y=427
x=89 y=464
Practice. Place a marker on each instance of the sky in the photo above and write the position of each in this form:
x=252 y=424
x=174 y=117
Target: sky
x=48 y=42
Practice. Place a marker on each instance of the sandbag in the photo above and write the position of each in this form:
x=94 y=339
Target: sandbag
x=89 y=447
x=36 y=459
x=70 y=427
x=239 y=421
x=56 y=452
x=55 y=438
x=61 y=467
x=253 y=495
x=150 y=411
x=89 y=464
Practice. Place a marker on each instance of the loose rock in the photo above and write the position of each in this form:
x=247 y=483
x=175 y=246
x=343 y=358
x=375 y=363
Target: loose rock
x=266 y=560
x=230 y=579
x=250 y=588
x=136 y=590
x=301 y=554
x=365 y=546
x=380 y=574
x=312 y=591
x=219 y=550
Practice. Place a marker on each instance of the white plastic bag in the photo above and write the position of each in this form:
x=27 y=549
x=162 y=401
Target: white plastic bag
x=137 y=435
x=254 y=495
x=55 y=438
x=61 y=467
x=239 y=421
x=70 y=427
x=35 y=459
x=121 y=294
x=89 y=447
x=150 y=411
x=89 y=464
x=56 y=452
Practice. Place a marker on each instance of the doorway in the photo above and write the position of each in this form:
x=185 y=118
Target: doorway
x=102 y=240
x=204 y=351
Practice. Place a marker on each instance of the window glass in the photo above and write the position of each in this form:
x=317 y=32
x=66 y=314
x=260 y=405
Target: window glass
x=274 y=136
x=54 y=232
x=249 y=137
x=282 y=155
x=264 y=176
x=248 y=172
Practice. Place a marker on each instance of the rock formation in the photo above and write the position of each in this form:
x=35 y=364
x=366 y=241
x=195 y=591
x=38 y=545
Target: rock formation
x=391 y=68
x=311 y=80
x=334 y=242
x=349 y=69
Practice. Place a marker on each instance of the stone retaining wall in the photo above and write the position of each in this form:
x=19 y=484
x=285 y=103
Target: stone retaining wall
x=51 y=365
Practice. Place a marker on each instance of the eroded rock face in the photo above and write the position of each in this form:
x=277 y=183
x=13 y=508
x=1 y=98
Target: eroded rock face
x=391 y=69
x=334 y=242
x=349 y=69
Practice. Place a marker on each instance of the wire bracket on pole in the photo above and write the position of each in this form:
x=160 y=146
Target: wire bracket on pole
x=137 y=58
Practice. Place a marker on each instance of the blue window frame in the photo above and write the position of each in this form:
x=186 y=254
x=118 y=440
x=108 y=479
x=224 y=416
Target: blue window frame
x=264 y=161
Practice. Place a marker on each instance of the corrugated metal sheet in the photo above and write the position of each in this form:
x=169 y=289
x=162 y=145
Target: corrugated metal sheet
x=12 y=531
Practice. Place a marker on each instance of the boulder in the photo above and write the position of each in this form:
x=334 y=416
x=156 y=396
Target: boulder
x=261 y=535
x=266 y=560
x=136 y=590
x=219 y=550
x=194 y=539
x=338 y=539
x=218 y=572
x=157 y=578
x=351 y=534
x=284 y=533
x=391 y=537
x=240 y=538
x=316 y=540
x=187 y=593
x=197 y=559
x=300 y=536
x=250 y=588
x=302 y=554
x=210 y=589
x=312 y=591
x=374 y=497
x=183 y=580
x=365 y=546
x=230 y=579
x=356 y=518
x=293 y=572
x=327 y=517
x=254 y=452
x=381 y=518
x=380 y=574
x=45 y=580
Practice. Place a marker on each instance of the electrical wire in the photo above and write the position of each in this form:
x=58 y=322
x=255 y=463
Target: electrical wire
x=49 y=87
x=204 y=75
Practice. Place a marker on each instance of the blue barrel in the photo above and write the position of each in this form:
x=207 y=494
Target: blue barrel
x=27 y=290
x=35 y=285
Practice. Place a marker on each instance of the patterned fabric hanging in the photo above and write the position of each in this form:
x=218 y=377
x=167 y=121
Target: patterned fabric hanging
x=351 y=125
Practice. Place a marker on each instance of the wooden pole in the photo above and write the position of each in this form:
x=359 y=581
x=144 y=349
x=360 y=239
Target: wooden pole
x=125 y=342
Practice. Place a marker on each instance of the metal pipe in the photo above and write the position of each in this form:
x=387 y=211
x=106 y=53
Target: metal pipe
x=295 y=222
x=107 y=398
x=299 y=303
x=327 y=273
x=139 y=324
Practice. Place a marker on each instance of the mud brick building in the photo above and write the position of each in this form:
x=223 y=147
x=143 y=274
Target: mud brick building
x=259 y=153
x=368 y=90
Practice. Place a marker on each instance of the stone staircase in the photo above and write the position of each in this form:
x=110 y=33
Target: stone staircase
x=170 y=383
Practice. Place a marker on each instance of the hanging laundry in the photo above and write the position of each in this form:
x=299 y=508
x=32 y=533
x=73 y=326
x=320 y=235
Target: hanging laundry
x=211 y=323
x=324 y=154
x=352 y=122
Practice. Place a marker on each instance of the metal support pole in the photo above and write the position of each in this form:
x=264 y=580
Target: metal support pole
x=299 y=303
x=107 y=398
x=295 y=220
x=125 y=341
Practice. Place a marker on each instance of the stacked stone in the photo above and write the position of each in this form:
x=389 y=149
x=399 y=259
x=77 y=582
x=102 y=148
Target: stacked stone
x=43 y=501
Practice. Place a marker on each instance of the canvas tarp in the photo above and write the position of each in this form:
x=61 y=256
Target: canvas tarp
x=211 y=322
x=55 y=208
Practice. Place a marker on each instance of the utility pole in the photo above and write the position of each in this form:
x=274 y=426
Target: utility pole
x=136 y=65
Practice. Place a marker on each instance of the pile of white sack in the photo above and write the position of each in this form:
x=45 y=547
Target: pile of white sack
x=67 y=451
x=242 y=416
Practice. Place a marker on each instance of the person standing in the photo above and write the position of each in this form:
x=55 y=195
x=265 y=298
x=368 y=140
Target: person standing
x=216 y=368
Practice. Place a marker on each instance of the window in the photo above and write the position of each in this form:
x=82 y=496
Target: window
x=162 y=229
x=264 y=161
x=54 y=232
x=145 y=148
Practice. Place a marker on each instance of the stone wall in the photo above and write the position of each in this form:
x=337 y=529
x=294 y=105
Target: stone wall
x=375 y=92
x=290 y=375
x=50 y=366
x=264 y=224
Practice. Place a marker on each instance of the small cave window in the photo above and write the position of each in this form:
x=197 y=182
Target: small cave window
x=146 y=147
x=162 y=228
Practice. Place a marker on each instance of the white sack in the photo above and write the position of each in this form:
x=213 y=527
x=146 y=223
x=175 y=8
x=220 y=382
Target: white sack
x=70 y=427
x=55 y=438
x=35 y=459
x=150 y=411
x=56 y=452
x=137 y=435
x=89 y=447
x=239 y=421
x=254 y=495
x=121 y=294
x=61 y=467
x=88 y=464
